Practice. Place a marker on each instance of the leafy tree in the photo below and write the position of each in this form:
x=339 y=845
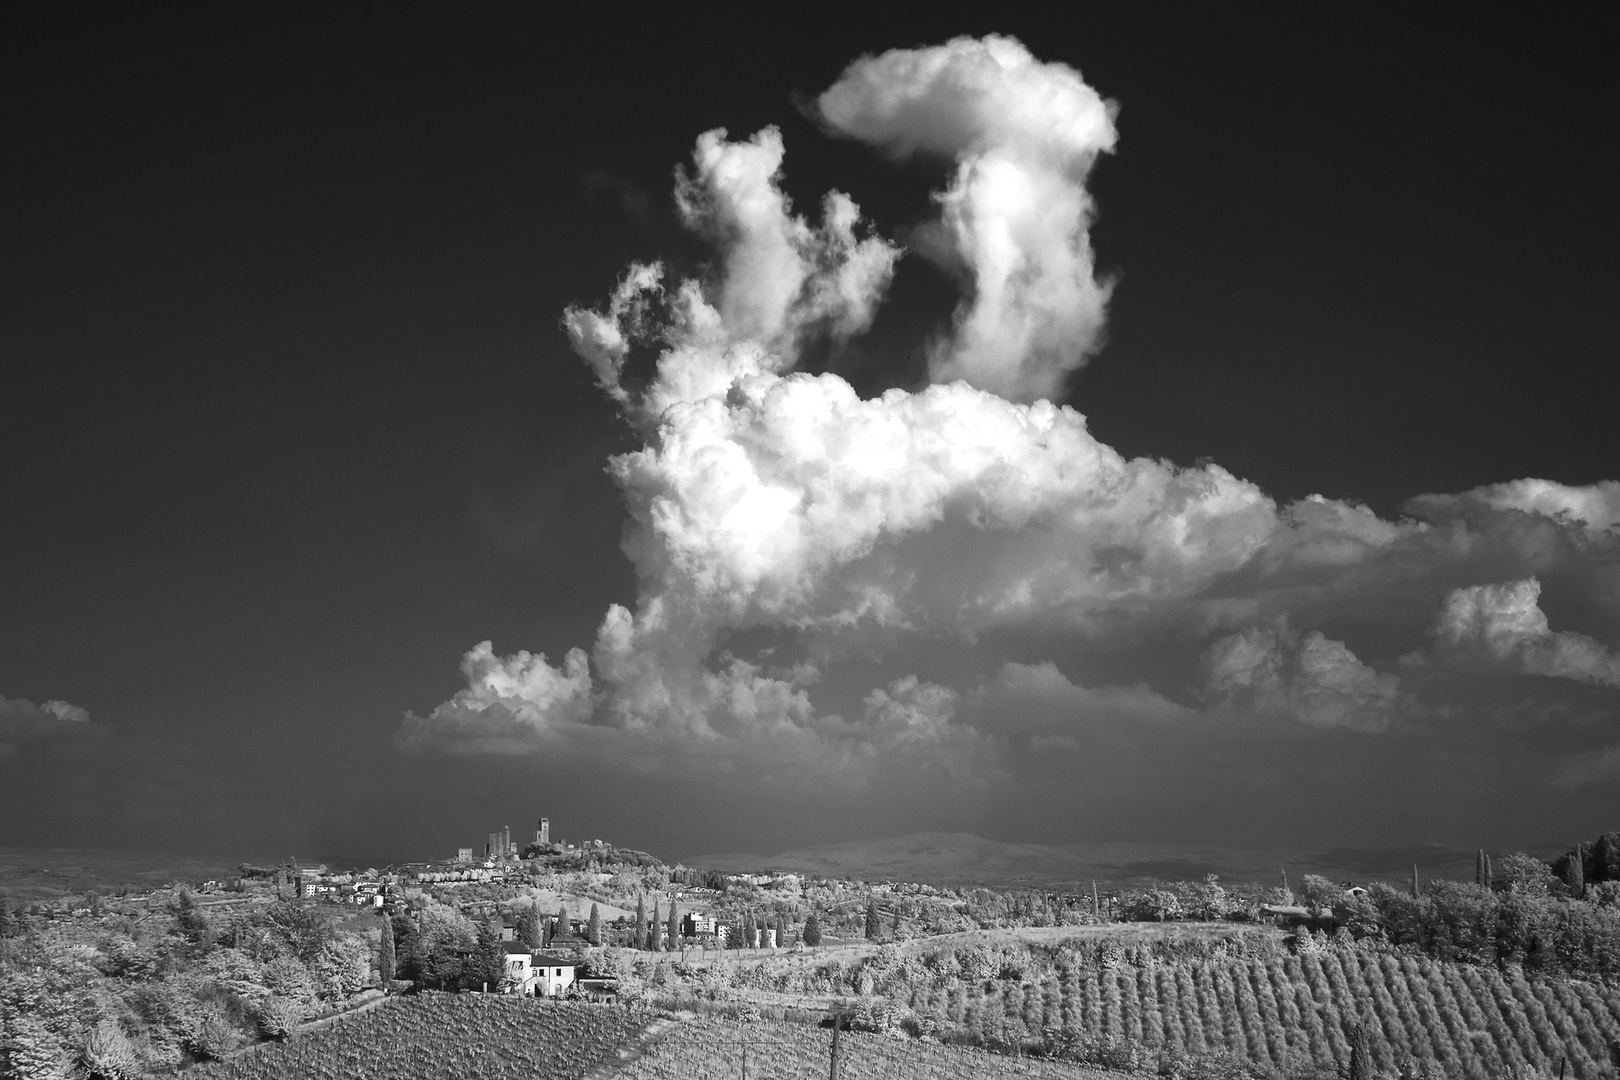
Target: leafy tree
x=1319 y=892
x=385 y=953
x=1521 y=873
x=873 y=925
x=1604 y=856
x=1605 y=894
x=1358 y=914
x=278 y=1016
x=1203 y=899
x=1152 y=905
x=488 y=963
x=811 y=934
x=593 y=932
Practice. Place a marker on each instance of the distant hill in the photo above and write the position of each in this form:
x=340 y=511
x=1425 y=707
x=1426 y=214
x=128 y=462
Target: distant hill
x=31 y=874
x=959 y=858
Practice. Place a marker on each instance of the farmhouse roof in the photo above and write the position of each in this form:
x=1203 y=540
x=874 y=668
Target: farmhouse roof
x=515 y=948
x=554 y=960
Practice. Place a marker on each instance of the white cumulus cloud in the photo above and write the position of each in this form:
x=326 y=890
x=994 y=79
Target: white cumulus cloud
x=1595 y=506
x=1503 y=626
x=1016 y=215
x=771 y=503
x=1310 y=678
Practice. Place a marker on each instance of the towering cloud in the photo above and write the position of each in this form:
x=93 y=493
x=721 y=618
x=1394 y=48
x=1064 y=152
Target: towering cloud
x=1016 y=216
x=796 y=544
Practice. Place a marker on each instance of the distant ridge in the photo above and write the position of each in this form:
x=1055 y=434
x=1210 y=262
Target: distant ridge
x=959 y=858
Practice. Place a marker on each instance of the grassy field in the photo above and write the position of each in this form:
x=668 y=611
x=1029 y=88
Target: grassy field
x=708 y=1049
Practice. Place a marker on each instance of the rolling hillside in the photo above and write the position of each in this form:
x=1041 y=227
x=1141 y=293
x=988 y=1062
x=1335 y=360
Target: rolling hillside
x=954 y=858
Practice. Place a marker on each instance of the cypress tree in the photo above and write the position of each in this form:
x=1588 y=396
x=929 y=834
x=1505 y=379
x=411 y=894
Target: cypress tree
x=811 y=934
x=529 y=928
x=594 y=932
x=1479 y=867
x=873 y=925
x=640 y=941
x=1417 y=890
x=781 y=930
x=563 y=929
x=674 y=926
x=490 y=967
x=1360 y=1054
x=1575 y=872
x=749 y=937
x=655 y=932
x=385 y=954
x=1490 y=877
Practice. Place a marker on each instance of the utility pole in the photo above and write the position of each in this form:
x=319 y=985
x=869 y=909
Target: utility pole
x=838 y=1022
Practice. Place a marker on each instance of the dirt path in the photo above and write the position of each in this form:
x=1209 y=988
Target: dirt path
x=652 y=1034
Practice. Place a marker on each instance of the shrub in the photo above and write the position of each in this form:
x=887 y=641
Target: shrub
x=109 y=1055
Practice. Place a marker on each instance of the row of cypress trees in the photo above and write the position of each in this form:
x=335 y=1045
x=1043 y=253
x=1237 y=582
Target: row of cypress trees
x=657 y=934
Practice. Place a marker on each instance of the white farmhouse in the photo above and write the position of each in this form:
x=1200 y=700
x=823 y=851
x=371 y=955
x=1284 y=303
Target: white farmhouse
x=520 y=977
x=553 y=974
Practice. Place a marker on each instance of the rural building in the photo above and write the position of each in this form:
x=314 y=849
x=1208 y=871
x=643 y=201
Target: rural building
x=598 y=989
x=520 y=977
x=553 y=974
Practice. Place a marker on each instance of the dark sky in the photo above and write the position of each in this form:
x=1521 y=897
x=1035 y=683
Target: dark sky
x=289 y=423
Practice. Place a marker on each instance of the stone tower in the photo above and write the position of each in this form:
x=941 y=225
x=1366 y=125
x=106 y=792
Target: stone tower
x=544 y=835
